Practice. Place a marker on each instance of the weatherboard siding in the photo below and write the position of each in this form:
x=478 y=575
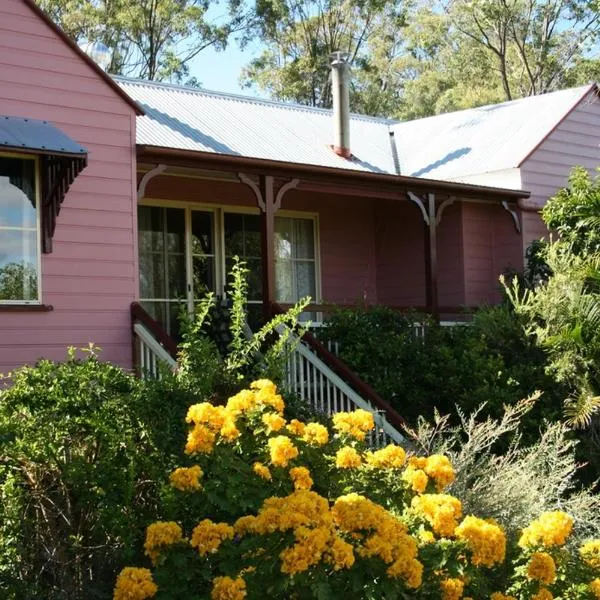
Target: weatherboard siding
x=400 y=254
x=91 y=276
x=492 y=246
x=575 y=141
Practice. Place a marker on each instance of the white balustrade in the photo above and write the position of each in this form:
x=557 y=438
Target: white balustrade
x=326 y=392
x=150 y=353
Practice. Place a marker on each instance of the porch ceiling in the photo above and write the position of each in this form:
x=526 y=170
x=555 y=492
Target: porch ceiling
x=325 y=178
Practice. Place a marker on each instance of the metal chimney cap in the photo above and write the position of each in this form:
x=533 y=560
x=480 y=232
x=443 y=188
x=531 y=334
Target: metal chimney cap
x=339 y=58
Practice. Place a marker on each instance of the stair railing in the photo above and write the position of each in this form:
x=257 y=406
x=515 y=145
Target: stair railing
x=151 y=344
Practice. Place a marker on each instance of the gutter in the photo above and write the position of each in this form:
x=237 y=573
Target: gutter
x=384 y=181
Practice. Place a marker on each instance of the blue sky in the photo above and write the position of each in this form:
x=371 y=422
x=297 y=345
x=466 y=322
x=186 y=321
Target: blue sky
x=220 y=71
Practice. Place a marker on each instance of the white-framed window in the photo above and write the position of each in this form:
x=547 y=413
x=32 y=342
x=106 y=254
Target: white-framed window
x=187 y=249
x=20 y=260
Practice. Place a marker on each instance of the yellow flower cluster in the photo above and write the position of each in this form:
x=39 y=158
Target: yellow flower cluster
x=543 y=594
x=340 y=554
x=296 y=427
x=282 y=450
x=416 y=478
x=383 y=536
x=437 y=467
x=310 y=546
x=355 y=424
x=452 y=589
x=208 y=536
x=265 y=393
x=595 y=588
x=273 y=422
x=226 y=588
x=442 y=511
x=160 y=536
x=347 y=458
x=390 y=457
x=550 y=529
x=590 y=553
x=134 y=584
x=301 y=508
x=301 y=478
x=211 y=421
x=262 y=471
x=315 y=434
x=501 y=596
x=307 y=514
x=186 y=479
x=541 y=567
x=485 y=539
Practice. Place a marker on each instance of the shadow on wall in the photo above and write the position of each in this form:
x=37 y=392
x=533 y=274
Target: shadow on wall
x=455 y=154
x=209 y=142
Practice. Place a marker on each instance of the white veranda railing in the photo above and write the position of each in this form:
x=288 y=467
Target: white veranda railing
x=318 y=385
x=150 y=353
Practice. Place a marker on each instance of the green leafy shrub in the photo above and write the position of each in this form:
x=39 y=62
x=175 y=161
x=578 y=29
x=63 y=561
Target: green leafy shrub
x=491 y=361
x=72 y=471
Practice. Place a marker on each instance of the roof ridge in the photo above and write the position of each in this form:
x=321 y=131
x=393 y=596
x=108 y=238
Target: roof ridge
x=584 y=88
x=247 y=99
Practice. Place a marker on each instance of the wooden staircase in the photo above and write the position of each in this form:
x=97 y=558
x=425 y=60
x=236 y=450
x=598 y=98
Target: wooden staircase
x=316 y=375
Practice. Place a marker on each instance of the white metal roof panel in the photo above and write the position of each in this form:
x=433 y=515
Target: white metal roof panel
x=194 y=119
x=447 y=147
x=480 y=140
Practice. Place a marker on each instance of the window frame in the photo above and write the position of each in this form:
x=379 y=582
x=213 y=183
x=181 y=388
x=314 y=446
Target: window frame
x=38 y=226
x=220 y=209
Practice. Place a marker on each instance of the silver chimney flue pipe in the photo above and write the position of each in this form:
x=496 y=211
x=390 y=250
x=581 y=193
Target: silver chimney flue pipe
x=340 y=88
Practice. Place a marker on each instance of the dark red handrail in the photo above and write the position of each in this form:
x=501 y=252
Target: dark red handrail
x=162 y=337
x=339 y=367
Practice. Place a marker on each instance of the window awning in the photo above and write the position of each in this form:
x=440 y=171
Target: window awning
x=62 y=159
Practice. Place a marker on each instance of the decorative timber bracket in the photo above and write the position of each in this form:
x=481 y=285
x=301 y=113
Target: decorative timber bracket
x=514 y=214
x=269 y=202
x=58 y=173
x=148 y=176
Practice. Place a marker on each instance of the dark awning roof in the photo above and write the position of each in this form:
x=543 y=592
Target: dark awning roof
x=61 y=161
x=40 y=137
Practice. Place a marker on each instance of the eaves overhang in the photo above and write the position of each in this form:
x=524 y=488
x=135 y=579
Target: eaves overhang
x=327 y=175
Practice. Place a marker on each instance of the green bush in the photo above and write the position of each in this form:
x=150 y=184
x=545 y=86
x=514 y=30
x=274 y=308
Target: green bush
x=489 y=361
x=83 y=451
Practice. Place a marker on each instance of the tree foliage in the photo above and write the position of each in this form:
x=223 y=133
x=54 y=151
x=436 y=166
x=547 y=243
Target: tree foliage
x=150 y=39
x=417 y=58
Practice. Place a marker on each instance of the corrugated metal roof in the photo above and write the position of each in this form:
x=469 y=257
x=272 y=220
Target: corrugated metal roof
x=443 y=147
x=18 y=133
x=192 y=119
x=481 y=140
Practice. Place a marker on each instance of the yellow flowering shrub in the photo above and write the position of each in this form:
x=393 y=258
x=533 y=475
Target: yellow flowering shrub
x=347 y=458
x=186 y=479
x=134 y=584
x=160 y=536
x=550 y=529
x=590 y=553
x=485 y=540
x=286 y=509
x=541 y=567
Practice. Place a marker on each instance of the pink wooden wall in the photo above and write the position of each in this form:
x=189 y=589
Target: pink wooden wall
x=491 y=246
x=399 y=238
x=576 y=141
x=91 y=277
x=372 y=250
